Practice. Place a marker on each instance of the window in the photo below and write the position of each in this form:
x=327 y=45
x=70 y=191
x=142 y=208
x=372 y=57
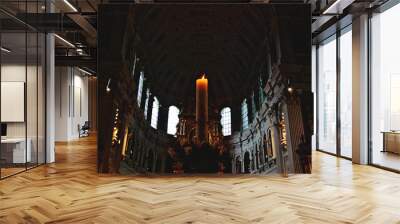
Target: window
x=385 y=88
x=146 y=104
x=226 y=121
x=173 y=119
x=327 y=96
x=346 y=75
x=245 y=118
x=154 y=113
x=140 y=88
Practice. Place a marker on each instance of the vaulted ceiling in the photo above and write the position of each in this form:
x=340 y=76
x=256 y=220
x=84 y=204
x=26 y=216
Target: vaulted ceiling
x=178 y=43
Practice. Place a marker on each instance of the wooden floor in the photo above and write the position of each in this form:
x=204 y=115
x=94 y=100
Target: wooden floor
x=70 y=191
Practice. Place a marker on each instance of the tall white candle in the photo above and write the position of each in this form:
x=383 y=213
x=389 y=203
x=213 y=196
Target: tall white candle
x=202 y=109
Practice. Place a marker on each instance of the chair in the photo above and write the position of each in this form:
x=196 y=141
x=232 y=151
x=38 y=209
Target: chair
x=84 y=130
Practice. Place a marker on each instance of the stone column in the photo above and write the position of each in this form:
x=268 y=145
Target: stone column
x=154 y=165
x=250 y=112
x=276 y=147
x=236 y=118
x=163 y=118
x=150 y=107
x=242 y=163
x=233 y=162
x=144 y=95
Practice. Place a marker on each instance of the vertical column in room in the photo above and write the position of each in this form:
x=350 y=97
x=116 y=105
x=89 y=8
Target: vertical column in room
x=360 y=90
x=50 y=91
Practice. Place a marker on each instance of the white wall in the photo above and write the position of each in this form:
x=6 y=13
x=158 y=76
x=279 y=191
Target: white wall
x=33 y=127
x=16 y=73
x=71 y=102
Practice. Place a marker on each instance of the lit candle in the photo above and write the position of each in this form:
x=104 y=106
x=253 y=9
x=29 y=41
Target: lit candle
x=202 y=109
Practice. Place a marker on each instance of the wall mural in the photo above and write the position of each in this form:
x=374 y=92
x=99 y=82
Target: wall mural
x=254 y=59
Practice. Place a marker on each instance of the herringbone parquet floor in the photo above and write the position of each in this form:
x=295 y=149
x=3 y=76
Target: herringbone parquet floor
x=70 y=191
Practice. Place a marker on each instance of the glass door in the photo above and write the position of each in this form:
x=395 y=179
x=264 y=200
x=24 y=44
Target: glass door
x=385 y=89
x=22 y=78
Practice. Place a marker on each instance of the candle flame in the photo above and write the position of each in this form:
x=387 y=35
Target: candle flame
x=204 y=76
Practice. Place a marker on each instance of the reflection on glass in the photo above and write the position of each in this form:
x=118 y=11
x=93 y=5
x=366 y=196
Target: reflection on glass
x=346 y=94
x=385 y=84
x=327 y=96
x=14 y=153
x=22 y=91
x=31 y=100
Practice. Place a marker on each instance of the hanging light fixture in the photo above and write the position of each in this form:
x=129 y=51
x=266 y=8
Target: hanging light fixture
x=70 y=6
x=64 y=40
x=5 y=50
x=108 y=89
x=290 y=88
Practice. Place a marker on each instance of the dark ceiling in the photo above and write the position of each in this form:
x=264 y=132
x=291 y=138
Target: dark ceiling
x=180 y=42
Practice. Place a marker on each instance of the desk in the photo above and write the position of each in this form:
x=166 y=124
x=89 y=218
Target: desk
x=391 y=141
x=13 y=150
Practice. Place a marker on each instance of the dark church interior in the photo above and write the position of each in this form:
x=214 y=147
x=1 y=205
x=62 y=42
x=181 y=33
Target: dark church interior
x=199 y=111
x=257 y=77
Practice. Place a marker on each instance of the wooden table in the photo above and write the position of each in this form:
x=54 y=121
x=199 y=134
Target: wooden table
x=391 y=141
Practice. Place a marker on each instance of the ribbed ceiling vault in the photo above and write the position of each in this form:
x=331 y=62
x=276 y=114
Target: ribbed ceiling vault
x=179 y=42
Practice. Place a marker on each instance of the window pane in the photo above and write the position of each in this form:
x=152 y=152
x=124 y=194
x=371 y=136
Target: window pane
x=140 y=89
x=327 y=96
x=154 y=113
x=226 y=121
x=346 y=94
x=385 y=88
x=173 y=119
x=245 y=119
x=15 y=148
x=146 y=104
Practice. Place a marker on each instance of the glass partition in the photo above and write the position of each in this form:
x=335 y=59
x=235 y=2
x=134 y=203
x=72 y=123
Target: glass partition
x=327 y=96
x=22 y=88
x=385 y=89
x=13 y=95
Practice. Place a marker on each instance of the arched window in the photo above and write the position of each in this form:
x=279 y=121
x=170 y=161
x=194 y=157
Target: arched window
x=146 y=103
x=226 y=121
x=154 y=113
x=140 y=88
x=173 y=119
x=245 y=118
